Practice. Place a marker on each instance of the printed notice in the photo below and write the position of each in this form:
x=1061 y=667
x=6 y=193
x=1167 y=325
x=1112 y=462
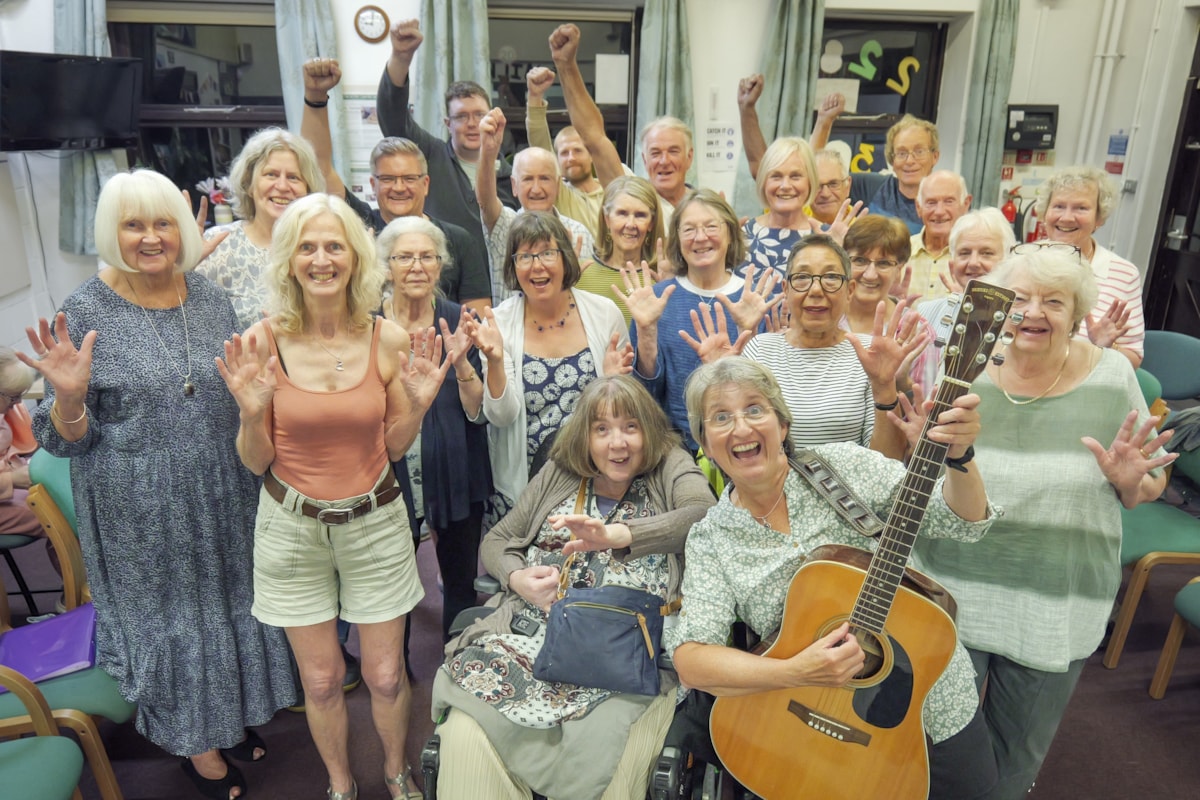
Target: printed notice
x=719 y=147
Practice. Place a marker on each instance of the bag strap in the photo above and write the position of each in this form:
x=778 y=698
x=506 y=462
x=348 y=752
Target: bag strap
x=829 y=485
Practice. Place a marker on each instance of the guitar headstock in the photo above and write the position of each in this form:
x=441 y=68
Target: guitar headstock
x=981 y=315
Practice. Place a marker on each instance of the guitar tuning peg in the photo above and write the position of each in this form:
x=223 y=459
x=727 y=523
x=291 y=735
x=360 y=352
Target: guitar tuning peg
x=989 y=337
x=1006 y=338
x=953 y=299
x=952 y=351
x=980 y=358
x=960 y=328
x=998 y=359
x=947 y=320
x=998 y=316
x=1017 y=317
x=968 y=307
x=939 y=343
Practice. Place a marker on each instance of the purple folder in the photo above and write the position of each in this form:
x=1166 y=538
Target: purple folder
x=57 y=646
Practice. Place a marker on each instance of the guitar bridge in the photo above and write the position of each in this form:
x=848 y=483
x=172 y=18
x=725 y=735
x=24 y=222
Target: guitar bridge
x=830 y=727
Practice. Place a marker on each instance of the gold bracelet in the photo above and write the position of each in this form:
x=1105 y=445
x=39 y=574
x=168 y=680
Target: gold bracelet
x=54 y=413
x=466 y=380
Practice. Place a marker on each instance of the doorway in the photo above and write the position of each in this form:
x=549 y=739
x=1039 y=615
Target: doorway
x=1172 y=293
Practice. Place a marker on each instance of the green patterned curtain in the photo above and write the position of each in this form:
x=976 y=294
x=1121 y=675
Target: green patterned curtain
x=305 y=29
x=664 y=69
x=790 y=70
x=987 y=98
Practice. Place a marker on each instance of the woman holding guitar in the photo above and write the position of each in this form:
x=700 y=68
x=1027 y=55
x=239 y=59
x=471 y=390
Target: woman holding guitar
x=1035 y=595
x=741 y=559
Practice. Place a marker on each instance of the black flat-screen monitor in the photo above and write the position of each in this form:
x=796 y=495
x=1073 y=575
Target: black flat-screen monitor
x=51 y=101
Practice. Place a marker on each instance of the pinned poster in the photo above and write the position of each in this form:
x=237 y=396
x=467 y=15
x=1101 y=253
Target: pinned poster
x=1114 y=161
x=847 y=87
x=612 y=79
x=719 y=146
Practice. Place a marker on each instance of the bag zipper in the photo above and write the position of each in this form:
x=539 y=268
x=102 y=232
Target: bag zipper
x=641 y=619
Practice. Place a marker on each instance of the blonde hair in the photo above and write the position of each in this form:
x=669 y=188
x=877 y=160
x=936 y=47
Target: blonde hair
x=641 y=190
x=366 y=279
x=144 y=194
x=256 y=150
x=780 y=151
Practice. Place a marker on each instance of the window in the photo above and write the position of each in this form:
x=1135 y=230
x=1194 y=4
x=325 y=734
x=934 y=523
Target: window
x=519 y=42
x=886 y=70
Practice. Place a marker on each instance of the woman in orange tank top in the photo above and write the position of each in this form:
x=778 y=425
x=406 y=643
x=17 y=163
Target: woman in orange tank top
x=328 y=399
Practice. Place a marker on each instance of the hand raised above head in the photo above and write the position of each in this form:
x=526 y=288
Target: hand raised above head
x=406 y=36
x=564 y=43
x=538 y=80
x=320 y=76
x=832 y=106
x=491 y=132
x=749 y=90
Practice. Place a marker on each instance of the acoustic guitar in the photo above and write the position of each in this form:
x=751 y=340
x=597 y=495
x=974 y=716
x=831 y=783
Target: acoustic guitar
x=867 y=738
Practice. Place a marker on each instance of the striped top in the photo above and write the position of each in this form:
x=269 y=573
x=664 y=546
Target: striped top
x=825 y=388
x=1117 y=279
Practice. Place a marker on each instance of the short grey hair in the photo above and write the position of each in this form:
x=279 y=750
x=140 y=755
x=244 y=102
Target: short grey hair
x=386 y=242
x=1051 y=269
x=144 y=194
x=398 y=146
x=833 y=157
x=15 y=377
x=666 y=123
x=984 y=220
x=943 y=173
x=738 y=371
x=1079 y=178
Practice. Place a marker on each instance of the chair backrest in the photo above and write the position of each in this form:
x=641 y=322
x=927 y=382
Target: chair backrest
x=1173 y=358
x=62 y=537
x=54 y=473
x=1151 y=387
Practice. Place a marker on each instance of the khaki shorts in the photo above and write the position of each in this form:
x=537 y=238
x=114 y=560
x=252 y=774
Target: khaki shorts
x=306 y=572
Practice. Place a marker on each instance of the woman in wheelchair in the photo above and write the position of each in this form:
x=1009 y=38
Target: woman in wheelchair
x=622 y=494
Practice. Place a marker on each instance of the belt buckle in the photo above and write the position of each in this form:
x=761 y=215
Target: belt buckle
x=335 y=516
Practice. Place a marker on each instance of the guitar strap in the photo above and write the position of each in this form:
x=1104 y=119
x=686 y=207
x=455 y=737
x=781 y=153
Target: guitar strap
x=829 y=485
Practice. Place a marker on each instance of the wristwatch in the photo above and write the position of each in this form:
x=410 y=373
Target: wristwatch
x=961 y=462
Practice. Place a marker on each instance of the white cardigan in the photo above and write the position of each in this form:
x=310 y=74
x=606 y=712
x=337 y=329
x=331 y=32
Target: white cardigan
x=506 y=413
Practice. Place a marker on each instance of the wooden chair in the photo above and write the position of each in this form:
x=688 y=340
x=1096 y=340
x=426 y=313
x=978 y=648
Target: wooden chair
x=1187 y=611
x=51 y=502
x=46 y=766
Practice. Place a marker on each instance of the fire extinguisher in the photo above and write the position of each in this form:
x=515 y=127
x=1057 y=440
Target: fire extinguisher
x=1009 y=209
x=1035 y=230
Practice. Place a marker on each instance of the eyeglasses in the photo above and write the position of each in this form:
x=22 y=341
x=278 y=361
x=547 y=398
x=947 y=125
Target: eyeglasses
x=472 y=116
x=725 y=420
x=905 y=155
x=406 y=260
x=831 y=186
x=883 y=265
x=548 y=257
x=1062 y=248
x=803 y=281
x=712 y=230
x=390 y=180
x=13 y=399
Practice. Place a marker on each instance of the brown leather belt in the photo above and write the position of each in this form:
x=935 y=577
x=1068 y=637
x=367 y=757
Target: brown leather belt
x=386 y=492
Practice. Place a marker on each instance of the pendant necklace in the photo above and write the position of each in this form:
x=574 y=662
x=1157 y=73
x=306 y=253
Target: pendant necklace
x=339 y=366
x=1049 y=388
x=763 y=519
x=189 y=388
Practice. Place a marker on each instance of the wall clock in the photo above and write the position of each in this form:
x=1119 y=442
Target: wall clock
x=371 y=23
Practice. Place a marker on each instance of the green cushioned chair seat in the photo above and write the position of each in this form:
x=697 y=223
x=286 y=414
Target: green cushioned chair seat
x=1157 y=527
x=11 y=541
x=1151 y=386
x=42 y=767
x=1187 y=603
x=92 y=691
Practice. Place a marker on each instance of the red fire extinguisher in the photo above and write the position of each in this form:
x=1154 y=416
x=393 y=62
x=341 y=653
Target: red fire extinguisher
x=1036 y=230
x=1009 y=209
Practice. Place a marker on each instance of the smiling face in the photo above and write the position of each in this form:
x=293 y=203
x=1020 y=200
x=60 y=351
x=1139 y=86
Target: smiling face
x=786 y=187
x=747 y=452
x=617 y=447
x=976 y=253
x=417 y=280
x=667 y=157
x=873 y=282
x=1073 y=216
x=1048 y=318
x=628 y=221
x=405 y=195
x=816 y=312
x=150 y=247
x=913 y=157
x=832 y=189
x=323 y=261
x=941 y=205
x=537 y=279
x=574 y=160
x=703 y=238
x=277 y=183
x=463 y=118
x=535 y=180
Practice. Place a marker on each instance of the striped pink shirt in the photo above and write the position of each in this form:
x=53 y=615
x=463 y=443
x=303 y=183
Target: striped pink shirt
x=1117 y=279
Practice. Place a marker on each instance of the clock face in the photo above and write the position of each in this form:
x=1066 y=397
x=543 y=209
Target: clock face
x=371 y=23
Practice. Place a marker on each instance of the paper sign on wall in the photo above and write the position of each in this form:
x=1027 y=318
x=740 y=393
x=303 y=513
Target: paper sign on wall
x=719 y=147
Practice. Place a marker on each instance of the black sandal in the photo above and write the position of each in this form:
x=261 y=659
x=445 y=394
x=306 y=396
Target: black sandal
x=244 y=750
x=219 y=788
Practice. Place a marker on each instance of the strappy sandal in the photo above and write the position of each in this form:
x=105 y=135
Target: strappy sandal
x=218 y=788
x=401 y=780
x=244 y=750
x=350 y=795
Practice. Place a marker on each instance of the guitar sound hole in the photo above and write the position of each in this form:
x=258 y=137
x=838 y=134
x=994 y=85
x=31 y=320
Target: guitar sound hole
x=873 y=650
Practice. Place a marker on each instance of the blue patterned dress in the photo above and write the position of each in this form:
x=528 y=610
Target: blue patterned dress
x=166 y=521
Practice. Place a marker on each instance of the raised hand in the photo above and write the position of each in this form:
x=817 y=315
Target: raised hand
x=423 y=373
x=832 y=107
x=406 y=36
x=663 y=268
x=485 y=334
x=66 y=369
x=894 y=343
x=1109 y=326
x=778 y=319
x=537 y=585
x=711 y=342
x=749 y=90
x=590 y=533
x=948 y=281
x=491 y=133
x=617 y=360
x=845 y=217
x=459 y=342
x=320 y=76
x=251 y=379
x=537 y=81
x=753 y=305
x=1130 y=457
x=644 y=306
x=564 y=44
